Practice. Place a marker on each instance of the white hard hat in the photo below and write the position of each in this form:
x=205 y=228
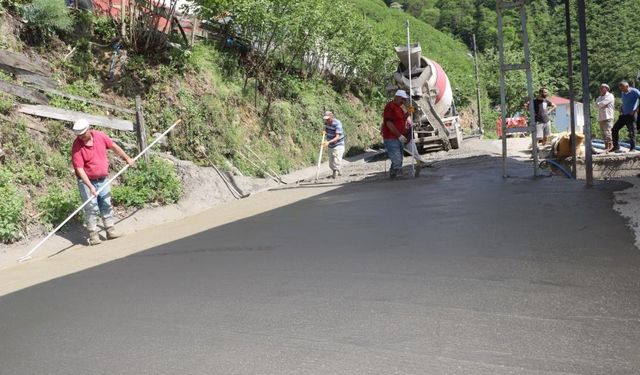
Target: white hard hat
x=80 y=126
x=402 y=94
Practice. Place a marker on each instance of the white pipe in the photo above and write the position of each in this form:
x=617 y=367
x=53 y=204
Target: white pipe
x=28 y=255
x=413 y=163
x=320 y=157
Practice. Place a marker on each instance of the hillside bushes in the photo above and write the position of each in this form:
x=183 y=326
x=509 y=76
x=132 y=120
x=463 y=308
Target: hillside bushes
x=43 y=18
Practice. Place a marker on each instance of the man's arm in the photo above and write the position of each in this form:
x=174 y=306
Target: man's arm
x=391 y=126
x=606 y=100
x=83 y=176
x=123 y=155
x=336 y=138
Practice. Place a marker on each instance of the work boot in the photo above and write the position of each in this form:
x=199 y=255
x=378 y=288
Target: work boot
x=112 y=233
x=94 y=238
x=335 y=174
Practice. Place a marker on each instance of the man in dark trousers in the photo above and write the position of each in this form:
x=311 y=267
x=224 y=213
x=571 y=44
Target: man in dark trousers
x=628 y=113
x=542 y=108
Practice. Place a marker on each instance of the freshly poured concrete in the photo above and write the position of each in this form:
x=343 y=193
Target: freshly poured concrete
x=457 y=272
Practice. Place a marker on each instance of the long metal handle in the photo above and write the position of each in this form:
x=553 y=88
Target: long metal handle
x=320 y=156
x=29 y=255
x=413 y=165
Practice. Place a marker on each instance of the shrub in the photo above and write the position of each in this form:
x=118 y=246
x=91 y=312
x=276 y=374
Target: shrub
x=11 y=208
x=105 y=29
x=57 y=204
x=30 y=174
x=44 y=17
x=153 y=182
x=6 y=177
x=6 y=103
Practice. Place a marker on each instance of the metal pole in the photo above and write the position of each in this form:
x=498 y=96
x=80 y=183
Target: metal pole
x=475 y=63
x=567 y=16
x=584 y=67
x=320 y=156
x=503 y=93
x=28 y=255
x=527 y=61
x=413 y=162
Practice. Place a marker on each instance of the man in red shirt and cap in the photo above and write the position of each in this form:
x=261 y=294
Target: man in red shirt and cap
x=393 y=128
x=90 y=162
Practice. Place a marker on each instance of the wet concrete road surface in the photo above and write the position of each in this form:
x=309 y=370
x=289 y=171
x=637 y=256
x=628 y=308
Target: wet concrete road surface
x=457 y=272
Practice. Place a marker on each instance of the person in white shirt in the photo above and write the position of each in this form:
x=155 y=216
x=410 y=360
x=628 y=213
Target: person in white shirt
x=605 y=104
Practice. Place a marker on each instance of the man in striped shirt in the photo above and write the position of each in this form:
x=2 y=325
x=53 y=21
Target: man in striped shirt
x=335 y=141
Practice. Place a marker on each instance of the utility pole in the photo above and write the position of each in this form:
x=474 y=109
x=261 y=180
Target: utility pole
x=475 y=63
x=584 y=67
x=572 y=102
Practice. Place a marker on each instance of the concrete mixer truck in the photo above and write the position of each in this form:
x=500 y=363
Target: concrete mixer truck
x=436 y=124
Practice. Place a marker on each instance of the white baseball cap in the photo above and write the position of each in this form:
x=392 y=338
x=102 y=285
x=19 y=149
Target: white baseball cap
x=80 y=126
x=327 y=115
x=402 y=94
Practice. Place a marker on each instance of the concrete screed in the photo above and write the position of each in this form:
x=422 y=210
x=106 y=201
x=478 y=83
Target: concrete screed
x=456 y=272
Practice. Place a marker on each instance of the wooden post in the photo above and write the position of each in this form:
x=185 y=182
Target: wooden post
x=194 y=24
x=140 y=130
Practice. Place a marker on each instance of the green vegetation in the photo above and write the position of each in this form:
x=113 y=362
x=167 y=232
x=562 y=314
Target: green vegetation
x=57 y=204
x=43 y=18
x=11 y=208
x=155 y=181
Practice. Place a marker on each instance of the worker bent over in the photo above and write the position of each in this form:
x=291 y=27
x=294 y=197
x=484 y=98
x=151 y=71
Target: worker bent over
x=392 y=131
x=335 y=142
x=90 y=162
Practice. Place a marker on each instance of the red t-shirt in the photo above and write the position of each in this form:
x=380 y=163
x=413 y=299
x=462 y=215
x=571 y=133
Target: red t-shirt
x=394 y=113
x=93 y=159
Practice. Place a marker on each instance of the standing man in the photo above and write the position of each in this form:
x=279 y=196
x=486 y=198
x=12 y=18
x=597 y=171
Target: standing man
x=628 y=113
x=605 y=115
x=542 y=108
x=335 y=142
x=393 y=128
x=90 y=162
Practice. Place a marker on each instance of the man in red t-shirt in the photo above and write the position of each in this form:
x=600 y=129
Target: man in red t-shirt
x=393 y=128
x=90 y=162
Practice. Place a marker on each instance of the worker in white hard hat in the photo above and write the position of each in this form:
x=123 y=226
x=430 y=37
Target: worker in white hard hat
x=90 y=162
x=393 y=129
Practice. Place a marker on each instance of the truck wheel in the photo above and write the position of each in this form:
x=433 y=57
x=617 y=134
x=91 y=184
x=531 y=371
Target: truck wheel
x=454 y=143
x=457 y=141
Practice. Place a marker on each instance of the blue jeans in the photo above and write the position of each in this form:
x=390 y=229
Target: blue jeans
x=395 y=153
x=99 y=206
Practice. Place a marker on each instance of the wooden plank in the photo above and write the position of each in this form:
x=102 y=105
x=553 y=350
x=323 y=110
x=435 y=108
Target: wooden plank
x=15 y=62
x=140 y=130
x=23 y=92
x=72 y=116
x=35 y=79
x=86 y=100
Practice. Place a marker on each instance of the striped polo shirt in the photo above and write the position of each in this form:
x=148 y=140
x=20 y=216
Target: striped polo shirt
x=332 y=129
